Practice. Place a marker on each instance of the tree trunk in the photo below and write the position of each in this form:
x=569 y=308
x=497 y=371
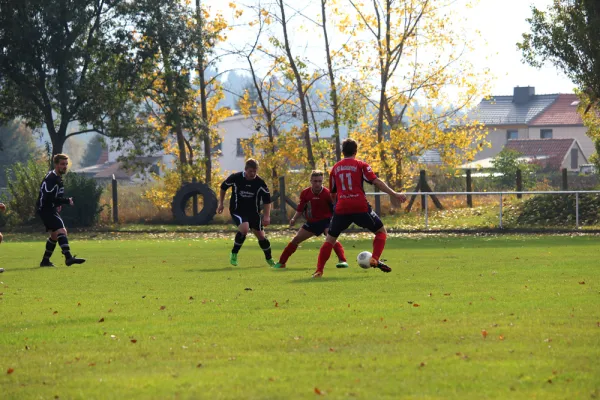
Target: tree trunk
x=205 y=128
x=332 y=87
x=299 y=87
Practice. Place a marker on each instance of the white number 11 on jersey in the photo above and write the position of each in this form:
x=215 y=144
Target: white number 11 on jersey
x=349 y=178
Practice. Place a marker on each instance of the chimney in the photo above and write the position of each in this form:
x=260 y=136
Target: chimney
x=523 y=94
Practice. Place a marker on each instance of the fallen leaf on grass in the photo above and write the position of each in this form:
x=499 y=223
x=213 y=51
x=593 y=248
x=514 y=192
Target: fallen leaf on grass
x=101 y=319
x=331 y=349
x=446 y=294
x=317 y=391
x=55 y=312
x=110 y=310
x=582 y=283
x=199 y=365
x=416 y=305
x=133 y=340
x=276 y=303
x=78 y=304
x=484 y=333
x=248 y=288
x=191 y=298
x=10 y=371
x=163 y=307
x=422 y=365
x=501 y=337
x=91 y=364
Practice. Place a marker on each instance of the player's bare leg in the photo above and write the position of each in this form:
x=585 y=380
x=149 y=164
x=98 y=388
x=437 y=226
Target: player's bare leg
x=265 y=245
x=378 y=246
x=291 y=247
x=240 y=237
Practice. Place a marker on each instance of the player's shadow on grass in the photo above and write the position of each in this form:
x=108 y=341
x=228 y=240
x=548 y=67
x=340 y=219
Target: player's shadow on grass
x=223 y=269
x=309 y=280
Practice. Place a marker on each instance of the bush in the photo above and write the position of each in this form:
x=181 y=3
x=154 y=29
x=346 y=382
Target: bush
x=559 y=209
x=86 y=194
x=24 y=180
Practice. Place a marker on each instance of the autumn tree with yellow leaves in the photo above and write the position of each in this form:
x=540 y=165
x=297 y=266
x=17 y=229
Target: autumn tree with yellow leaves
x=415 y=82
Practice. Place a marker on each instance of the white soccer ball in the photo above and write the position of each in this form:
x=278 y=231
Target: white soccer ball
x=363 y=259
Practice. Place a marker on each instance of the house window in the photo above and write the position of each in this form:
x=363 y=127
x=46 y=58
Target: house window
x=217 y=148
x=512 y=135
x=546 y=134
x=574 y=158
x=240 y=146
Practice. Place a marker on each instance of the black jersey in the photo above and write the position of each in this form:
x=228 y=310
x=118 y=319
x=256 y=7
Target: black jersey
x=246 y=194
x=51 y=193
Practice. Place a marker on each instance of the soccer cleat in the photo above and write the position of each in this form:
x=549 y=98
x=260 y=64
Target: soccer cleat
x=74 y=260
x=46 y=263
x=317 y=274
x=279 y=266
x=233 y=259
x=342 y=264
x=271 y=262
x=379 y=264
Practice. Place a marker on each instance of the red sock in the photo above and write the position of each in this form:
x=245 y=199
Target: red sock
x=378 y=244
x=287 y=252
x=324 y=254
x=339 y=251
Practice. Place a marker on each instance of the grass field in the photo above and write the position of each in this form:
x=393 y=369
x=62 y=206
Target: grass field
x=165 y=317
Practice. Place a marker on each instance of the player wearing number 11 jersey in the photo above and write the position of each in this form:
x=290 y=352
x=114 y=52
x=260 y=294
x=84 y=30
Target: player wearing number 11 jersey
x=346 y=181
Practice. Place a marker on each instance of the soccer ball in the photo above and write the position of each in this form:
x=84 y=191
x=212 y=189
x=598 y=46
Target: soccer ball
x=363 y=259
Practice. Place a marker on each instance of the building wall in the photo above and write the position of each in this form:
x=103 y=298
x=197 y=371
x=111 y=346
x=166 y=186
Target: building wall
x=230 y=130
x=560 y=132
x=497 y=138
x=580 y=160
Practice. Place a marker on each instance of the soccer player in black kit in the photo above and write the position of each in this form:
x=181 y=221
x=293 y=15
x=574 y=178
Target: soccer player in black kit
x=247 y=191
x=50 y=201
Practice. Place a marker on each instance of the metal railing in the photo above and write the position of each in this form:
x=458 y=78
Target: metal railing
x=500 y=194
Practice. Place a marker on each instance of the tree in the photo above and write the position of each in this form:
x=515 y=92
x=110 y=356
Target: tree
x=567 y=34
x=506 y=163
x=18 y=146
x=93 y=151
x=414 y=55
x=63 y=62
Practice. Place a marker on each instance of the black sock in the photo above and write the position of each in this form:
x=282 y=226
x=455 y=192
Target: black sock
x=238 y=242
x=50 y=245
x=64 y=245
x=265 y=245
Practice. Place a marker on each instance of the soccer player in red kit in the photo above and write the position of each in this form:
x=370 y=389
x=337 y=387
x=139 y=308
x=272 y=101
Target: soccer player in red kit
x=346 y=180
x=316 y=205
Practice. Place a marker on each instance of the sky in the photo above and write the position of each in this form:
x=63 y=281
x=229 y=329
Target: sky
x=501 y=24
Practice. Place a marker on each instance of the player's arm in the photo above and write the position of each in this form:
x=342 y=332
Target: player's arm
x=266 y=199
x=295 y=218
x=227 y=183
x=381 y=185
x=299 y=209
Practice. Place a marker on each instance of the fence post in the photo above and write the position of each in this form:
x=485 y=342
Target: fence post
x=282 y=202
x=195 y=199
x=577 y=210
x=378 y=202
x=565 y=183
x=115 y=200
x=500 y=210
x=469 y=189
x=423 y=181
x=426 y=213
x=519 y=183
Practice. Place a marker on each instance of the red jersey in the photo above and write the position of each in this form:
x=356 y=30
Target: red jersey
x=346 y=179
x=315 y=207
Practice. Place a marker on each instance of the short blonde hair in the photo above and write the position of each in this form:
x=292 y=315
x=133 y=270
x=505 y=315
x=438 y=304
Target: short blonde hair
x=59 y=157
x=251 y=163
x=316 y=172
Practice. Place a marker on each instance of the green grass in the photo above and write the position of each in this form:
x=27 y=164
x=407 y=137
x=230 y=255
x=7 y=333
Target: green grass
x=203 y=329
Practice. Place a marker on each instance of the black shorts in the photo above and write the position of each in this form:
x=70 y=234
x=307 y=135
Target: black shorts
x=52 y=221
x=253 y=219
x=368 y=220
x=317 y=227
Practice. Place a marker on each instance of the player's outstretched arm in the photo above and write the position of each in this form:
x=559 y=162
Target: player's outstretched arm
x=381 y=185
x=295 y=218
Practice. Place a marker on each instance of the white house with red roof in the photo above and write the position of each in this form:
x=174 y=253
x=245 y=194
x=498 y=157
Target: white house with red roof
x=525 y=115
